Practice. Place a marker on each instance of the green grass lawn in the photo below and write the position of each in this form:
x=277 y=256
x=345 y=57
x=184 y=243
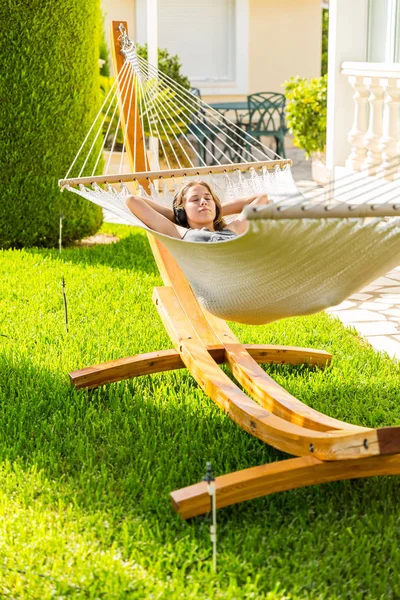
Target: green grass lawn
x=85 y=476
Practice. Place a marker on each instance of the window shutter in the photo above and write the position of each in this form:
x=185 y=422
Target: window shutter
x=200 y=32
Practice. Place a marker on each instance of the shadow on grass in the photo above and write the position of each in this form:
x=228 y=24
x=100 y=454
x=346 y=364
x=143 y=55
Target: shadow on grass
x=120 y=450
x=130 y=253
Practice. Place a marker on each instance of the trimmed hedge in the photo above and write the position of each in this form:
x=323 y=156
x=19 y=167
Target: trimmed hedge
x=49 y=96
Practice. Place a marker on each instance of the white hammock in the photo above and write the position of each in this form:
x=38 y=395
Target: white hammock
x=298 y=256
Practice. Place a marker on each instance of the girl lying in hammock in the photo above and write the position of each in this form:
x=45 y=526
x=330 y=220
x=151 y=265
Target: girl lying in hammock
x=197 y=214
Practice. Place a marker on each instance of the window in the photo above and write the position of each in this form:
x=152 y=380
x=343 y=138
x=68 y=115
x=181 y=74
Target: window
x=383 y=31
x=210 y=38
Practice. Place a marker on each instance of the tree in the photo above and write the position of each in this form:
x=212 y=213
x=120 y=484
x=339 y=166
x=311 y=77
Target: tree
x=49 y=93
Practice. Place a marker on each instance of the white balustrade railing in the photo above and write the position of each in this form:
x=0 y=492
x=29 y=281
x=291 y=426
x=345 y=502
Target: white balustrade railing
x=375 y=134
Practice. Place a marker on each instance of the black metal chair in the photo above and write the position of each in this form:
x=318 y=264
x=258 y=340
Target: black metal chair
x=266 y=117
x=198 y=127
x=213 y=134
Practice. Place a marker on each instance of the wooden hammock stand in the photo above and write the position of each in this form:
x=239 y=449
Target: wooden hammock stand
x=326 y=449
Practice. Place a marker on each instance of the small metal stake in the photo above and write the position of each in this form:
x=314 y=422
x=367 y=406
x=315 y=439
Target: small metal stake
x=65 y=302
x=209 y=477
x=60 y=236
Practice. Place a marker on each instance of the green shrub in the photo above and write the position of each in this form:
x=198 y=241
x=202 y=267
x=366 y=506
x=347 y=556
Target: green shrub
x=169 y=64
x=49 y=94
x=306 y=112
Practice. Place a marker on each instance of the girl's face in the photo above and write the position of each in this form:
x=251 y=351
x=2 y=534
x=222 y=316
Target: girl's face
x=200 y=207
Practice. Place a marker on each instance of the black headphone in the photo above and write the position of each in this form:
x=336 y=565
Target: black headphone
x=180 y=216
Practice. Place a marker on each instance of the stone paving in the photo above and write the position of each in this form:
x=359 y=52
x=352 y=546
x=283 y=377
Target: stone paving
x=375 y=310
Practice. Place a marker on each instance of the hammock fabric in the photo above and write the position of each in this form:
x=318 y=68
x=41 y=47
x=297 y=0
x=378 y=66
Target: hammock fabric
x=281 y=266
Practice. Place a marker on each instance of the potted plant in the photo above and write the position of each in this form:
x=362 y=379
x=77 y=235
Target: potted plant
x=306 y=116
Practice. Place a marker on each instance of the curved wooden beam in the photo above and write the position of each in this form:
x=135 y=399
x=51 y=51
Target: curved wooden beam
x=267 y=392
x=286 y=436
x=276 y=477
x=169 y=360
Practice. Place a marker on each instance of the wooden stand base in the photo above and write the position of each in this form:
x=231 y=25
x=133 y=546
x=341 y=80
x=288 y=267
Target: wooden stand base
x=277 y=477
x=328 y=449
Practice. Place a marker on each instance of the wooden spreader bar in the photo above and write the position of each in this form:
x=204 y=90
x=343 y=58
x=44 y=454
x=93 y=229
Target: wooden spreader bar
x=327 y=449
x=340 y=210
x=167 y=174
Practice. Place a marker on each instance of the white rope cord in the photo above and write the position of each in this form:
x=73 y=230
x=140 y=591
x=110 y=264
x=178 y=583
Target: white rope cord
x=187 y=99
x=182 y=133
x=159 y=110
x=162 y=108
x=193 y=107
x=135 y=139
x=183 y=92
x=95 y=120
x=141 y=109
x=194 y=124
x=124 y=129
x=144 y=94
x=120 y=113
x=191 y=102
x=148 y=103
x=100 y=129
x=194 y=104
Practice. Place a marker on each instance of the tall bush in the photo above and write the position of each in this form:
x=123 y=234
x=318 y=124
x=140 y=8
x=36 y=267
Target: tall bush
x=169 y=64
x=49 y=95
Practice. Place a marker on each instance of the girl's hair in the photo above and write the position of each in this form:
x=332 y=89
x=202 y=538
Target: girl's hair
x=179 y=206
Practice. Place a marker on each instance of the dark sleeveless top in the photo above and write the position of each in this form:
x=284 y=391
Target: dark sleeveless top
x=205 y=235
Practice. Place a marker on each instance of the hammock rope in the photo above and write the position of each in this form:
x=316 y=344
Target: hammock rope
x=299 y=255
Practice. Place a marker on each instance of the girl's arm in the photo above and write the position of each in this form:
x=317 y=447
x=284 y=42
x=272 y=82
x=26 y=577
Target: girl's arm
x=235 y=207
x=165 y=211
x=239 y=225
x=152 y=217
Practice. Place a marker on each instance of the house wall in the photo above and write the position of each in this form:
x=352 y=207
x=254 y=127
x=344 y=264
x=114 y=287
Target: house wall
x=118 y=10
x=285 y=40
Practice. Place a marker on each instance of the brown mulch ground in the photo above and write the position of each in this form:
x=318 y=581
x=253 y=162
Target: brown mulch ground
x=99 y=238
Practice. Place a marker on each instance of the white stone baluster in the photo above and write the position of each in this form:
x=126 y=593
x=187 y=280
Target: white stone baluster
x=391 y=129
x=374 y=133
x=357 y=132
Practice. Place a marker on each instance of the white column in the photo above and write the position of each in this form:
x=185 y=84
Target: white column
x=152 y=31
x=152 y=57
x=374 y=133
x=391 y=128
x=357 y=132
x=348 y=24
